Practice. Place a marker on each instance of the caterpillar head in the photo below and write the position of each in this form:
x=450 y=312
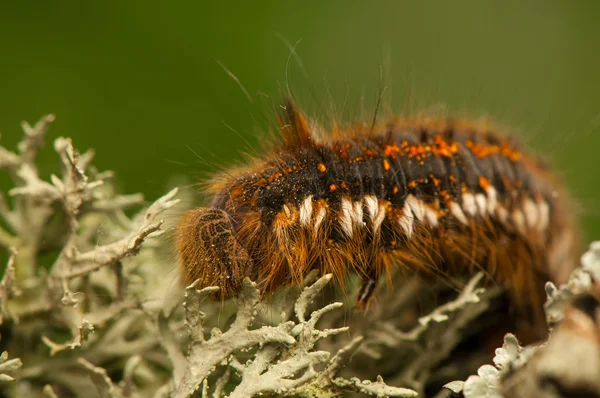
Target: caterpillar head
x=208 y=250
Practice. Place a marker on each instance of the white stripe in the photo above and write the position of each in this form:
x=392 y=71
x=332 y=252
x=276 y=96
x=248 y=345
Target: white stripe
x=519 y=220
x=357 y=213
x=502 y=213
x=321 y=213
x=492 y=200
x=532 y=213
x=371 y=203
x=431 y=216
x=468 y=202
x=481 y=204
x=458 y=213
x=406 y=221
x=416 y=206
x=346 y=218
x=544 y=215
x=287 y=212
x=306 y=211
x=379 y=218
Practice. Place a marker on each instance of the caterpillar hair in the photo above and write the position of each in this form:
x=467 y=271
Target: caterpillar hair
x=432 y=195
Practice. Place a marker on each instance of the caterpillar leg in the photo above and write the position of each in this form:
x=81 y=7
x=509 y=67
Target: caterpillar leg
x=365 y=294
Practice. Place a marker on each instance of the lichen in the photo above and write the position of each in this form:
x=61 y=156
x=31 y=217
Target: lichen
x=88 y=308
x=568 y=363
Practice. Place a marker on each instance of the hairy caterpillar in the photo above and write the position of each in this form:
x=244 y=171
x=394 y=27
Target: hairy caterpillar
x=429 y=194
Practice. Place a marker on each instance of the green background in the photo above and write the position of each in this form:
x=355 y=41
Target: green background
x=139 y=81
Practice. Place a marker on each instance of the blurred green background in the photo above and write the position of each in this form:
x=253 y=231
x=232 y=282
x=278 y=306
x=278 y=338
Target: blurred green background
x=139 y=81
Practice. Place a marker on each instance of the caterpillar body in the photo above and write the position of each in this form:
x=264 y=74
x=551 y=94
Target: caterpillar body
x=429 y=194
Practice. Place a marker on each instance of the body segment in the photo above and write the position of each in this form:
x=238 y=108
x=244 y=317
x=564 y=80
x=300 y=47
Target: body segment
x=427 y=195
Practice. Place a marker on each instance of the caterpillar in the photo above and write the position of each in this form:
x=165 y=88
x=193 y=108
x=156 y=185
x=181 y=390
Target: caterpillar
x=434 y=195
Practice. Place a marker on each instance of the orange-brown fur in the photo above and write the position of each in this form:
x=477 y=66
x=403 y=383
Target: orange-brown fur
x=282 y=253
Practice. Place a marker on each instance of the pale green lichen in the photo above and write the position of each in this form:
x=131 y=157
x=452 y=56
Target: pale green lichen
x=568 y=363
x=86 y=309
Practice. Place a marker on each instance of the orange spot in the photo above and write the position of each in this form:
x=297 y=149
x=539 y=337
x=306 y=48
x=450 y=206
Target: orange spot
x=483 y=182
x=343 y=185
x=509 y=152
x=446 y=196
x=332 y=187
x=452 y=178
x=436 y=181
x=358 y=159
x=412 y=184
x=322 y=168
x=274 y=177
x=443 y=149
x=481 y=151
x=417 y=151
x=391 y=150
x=369 y=152
x=386 y=165
x=395 y=190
